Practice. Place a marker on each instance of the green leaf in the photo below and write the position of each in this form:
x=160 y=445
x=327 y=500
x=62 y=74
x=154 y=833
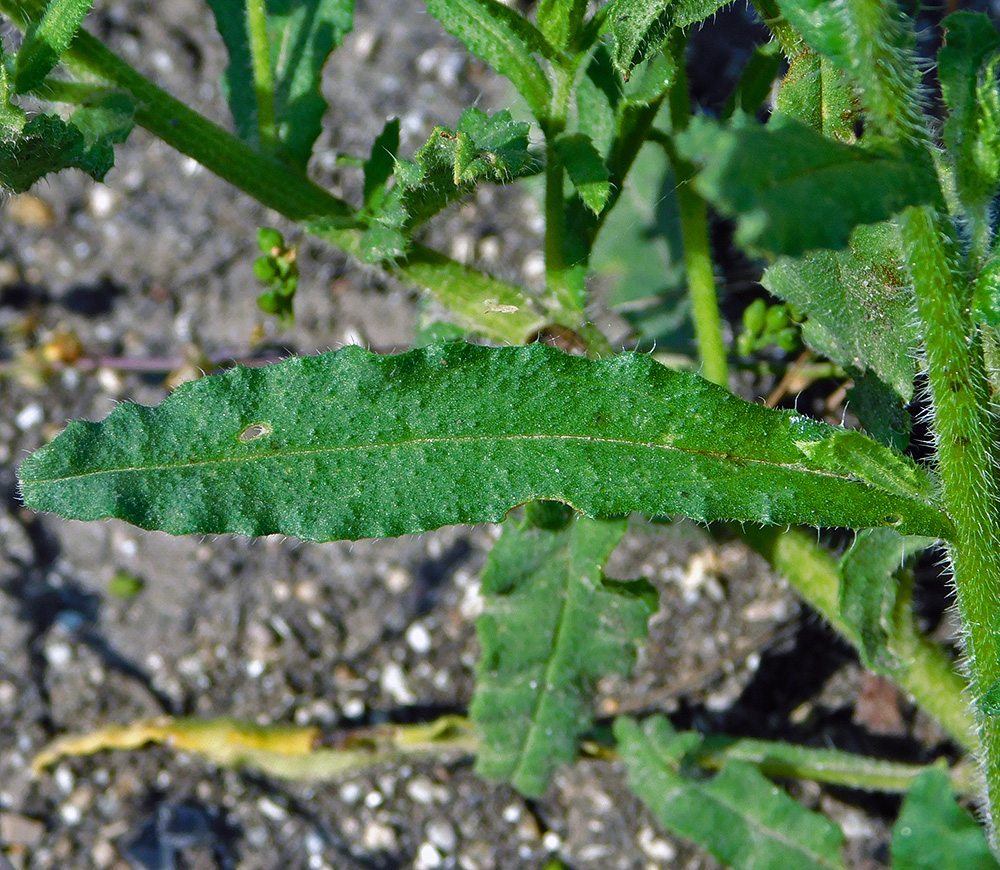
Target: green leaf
x=482 y=148
x=585 y=168
x=819 y=95
x=47 y=144
x=45 y=40
x=934 y=833
x=775 y=196
x=503 y=38
x=640 y=26
x=379 y=166
x=967 y=67
x=874 y=43
x=301 y=36
x=739 y=817
x=560 y=21
x=868 y=592
x=355 y=445
x=831 y=288
x=551 y=627
x=880 y=411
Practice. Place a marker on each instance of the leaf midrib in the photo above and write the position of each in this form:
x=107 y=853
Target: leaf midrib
x=458 y=439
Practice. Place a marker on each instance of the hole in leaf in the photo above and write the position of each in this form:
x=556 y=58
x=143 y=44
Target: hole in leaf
x=255 y=431
x=893 y=520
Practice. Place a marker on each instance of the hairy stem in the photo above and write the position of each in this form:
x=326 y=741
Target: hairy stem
x=965 y=433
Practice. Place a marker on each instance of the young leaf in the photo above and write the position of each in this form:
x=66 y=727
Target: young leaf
x=832 y=287
x=934 y=833
x=560 y=21
x=355 y=445
x=546 y=601
x=503 y=38
x=819 y=95
x=868 y=592
x=45 y=41
x=482 y=148
x=738 y=816
x=47 y=144
x=585 y=169
x=775 y=196
x=639 y=26
x=872 y=42
x=301 y=36
x=379 y=166
x=967 y=67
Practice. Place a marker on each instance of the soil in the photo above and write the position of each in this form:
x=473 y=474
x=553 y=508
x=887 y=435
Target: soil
x=154 y=268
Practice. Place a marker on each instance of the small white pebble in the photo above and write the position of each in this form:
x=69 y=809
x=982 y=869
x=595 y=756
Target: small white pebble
x=427 y=857
x=254 y=668
x=313 y=843
x=393 y=682
x=374 y=799
x=552 y=841
x=419 y=638
x=71 y=815
x=353 y=708
x=398 y=580
x=102 y=201
x=64 y=779
x=350 y=793
x=58 y=655
x=442 y=836
x=30 y=415
x=511 y=813
x=272 y=810
x=420 y=789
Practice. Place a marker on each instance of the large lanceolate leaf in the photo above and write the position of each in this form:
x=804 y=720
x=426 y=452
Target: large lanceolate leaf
x=802 y=191
x=301 y=36
x=738 y=816
x=551 y=626
x=353 y=445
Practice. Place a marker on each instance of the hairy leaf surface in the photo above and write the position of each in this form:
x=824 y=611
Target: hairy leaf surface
x=775 y=196
x=551 y=627
x=353 y=445
x=833 y=287
x=46 y=39
x=738 y=816
x=47 y=143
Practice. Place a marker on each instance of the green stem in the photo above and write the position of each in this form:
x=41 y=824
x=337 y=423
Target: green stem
x=926 y=671
x=263 y=81
x=966 y=461
x=562 y=282
x=694 y=231
x=266 y=179
x=780 y=760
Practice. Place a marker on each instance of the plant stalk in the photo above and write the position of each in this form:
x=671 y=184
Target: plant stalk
x=694 y=231
x=965 y=435
x=263 y=80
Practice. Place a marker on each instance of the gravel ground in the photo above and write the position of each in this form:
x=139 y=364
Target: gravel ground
x=157 y=265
